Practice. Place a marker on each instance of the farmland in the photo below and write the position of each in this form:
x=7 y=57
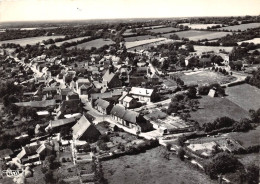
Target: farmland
x=164 y=30
x=94 y=43
x=213 y=108
x=200 y=49
x=247 y=159
x=151 y=167
x=198 y=35
x=255 y=41
x=247 y=139
x=205 y=77
x=199 y=26
x=245 y=96
x=137 y=38
x=31 y=40
x=142 y=42
x=70 y=40
x=241 y=27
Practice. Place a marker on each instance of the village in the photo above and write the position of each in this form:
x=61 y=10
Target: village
x=62 y=117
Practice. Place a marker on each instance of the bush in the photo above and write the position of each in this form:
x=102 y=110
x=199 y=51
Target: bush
x=63 y=160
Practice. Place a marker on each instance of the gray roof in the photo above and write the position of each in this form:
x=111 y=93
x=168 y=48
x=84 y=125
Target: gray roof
x=44 y=103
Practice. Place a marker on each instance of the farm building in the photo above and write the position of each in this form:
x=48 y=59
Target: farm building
x=84 y=130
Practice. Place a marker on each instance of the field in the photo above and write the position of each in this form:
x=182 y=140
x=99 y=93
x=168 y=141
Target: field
x=241 y=27
x=147 y=46
x=213 y=108
x=94 y=43
x=164 y=30
x=199 y=26
x=70 y=40
x=255 y=41
x=142 y=42
x=138 y=38
x=198 y=35
x=203 y=77
x=150 y=167
x=31 y=40
x=247 y=139
x=248 y=159
x=245 y=96
x=200 y=49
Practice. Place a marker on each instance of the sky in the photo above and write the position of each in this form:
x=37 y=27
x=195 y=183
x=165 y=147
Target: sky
x=27 y=10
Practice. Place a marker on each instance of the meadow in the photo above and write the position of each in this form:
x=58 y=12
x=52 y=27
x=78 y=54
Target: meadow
x=93 y=43
x=198 y=35
x=205 y=77
x=213 y=108
x=71 y=40
x=151 y=167
x=255 y=41
x=138 y=38
x=245 y=95
x=31 y=40
x=199 y=26
x=164 y=30
x=142 y=42
x=200 y=49
x=246 y=139
x=241 y=27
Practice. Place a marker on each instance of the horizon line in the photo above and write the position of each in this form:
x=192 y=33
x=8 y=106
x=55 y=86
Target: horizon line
x=123 y=18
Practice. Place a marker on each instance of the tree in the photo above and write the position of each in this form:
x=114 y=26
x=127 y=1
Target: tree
x=222 y=163
x=48 y=176
x=190 y=47
x=181 y=153
x=253 y=174
x=192 y=91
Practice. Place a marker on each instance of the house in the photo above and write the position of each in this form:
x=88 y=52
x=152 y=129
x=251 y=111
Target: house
x=64 y=92
x=57 y=124
x=83 y=89
x=110 y=96
x=112 y=79
x=154 y=79
x=80 y=82
x=72 y=96
x=84 y=130
x=143 y=94
x=35 y=152
x=130 y=119
x=212 y=93
x=103 y=106
x=69 y=107
x=128 y=101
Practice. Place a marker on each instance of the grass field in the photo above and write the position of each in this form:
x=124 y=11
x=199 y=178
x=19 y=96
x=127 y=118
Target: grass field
x=198 y=35
x=94 y=43
x=246 y=139
x=255 y=41
x=205 y=77
x=245 y=95
x=199 y=26
x=71 y=40
x=150 y=167
x=248 y=159
x=200 y=49
x=142 y=42
x=213 y=108
x=31 y=40
x=241 y=27
x=147 y=46
x=138 y=38
x=164 y=30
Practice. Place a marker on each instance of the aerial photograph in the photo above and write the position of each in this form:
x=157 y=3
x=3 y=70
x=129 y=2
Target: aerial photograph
x=129 y=91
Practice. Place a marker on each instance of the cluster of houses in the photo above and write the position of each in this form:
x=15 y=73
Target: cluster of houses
x=60 y=91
